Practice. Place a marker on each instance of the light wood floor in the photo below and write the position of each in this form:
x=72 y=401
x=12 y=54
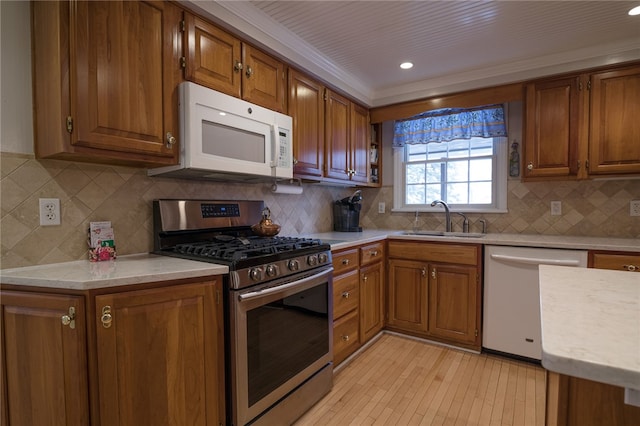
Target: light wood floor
x=402 y=381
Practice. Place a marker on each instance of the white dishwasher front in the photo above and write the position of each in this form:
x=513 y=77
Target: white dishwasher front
x=511 y=307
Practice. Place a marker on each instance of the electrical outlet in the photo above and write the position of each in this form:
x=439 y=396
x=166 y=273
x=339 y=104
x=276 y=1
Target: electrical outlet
x=49 y=211
x=556 y=208
x=634 y=208
x=381 y=207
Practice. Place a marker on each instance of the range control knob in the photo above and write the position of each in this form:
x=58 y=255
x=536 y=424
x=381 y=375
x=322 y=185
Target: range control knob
x=293 y=265
x=272 y=270
x=255 y=274
x=312 y=260
x=323 y=258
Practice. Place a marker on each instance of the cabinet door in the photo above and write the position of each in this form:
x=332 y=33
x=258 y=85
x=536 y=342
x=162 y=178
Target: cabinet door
x=614 y=134
x=264 y=79
x=408 y=295
x=306 y=107
x=371 y=301
x=160 y=356
x=44 y=361
x=337 y=133
x=552 y=128
x=213 y=56
x=453 y=302
x=122 y=80
x=359 y=144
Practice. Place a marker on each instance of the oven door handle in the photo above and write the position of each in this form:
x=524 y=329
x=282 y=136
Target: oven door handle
x=270 y=290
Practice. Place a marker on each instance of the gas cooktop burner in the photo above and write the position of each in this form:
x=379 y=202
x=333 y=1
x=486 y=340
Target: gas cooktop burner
x=240 y=248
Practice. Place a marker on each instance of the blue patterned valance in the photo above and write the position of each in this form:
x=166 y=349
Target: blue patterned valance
x=447 y=124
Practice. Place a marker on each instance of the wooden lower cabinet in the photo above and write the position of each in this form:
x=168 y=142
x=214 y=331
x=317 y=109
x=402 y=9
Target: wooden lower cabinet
x=152 y=356
x=358 y=297
x=572 y=401
x=620 y=261
x=434 y=291
x=408 y=296
x=44 y=362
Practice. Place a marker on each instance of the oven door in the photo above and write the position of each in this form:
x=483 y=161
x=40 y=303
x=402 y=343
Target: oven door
x=280 y=335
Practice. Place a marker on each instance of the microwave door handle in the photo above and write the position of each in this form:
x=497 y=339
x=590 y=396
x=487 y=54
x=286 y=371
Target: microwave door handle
x=274 y=145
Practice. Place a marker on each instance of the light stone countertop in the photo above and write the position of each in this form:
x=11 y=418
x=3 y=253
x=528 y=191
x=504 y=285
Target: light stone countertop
x=125 y=270
x=591 y=324
x=340 y=240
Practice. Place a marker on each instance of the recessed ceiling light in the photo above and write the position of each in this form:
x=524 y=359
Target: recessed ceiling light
x=406 y=65
x=635 y=11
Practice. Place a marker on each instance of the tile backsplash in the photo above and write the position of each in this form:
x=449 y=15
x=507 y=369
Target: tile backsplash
x=92 y=192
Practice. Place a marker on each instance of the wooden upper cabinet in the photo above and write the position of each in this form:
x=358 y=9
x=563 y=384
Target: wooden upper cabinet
x=337 y=133
x=216 y=59
x=583 y=125
x=105 y=81
x=306 y=107
x=552 y=116
x=44 y=366
x=347 y=140
x=360 y=143
x=213 y=56
x=264 y=80
x=614 y=135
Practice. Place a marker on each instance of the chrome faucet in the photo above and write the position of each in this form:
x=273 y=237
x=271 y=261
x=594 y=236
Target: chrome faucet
x=446 y=212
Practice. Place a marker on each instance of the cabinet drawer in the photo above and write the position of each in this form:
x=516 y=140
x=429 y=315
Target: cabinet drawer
x=346 y=294
x=345 y=260
x=464 y=254
x=617 y=261
x=371 y=253
x=345 y=337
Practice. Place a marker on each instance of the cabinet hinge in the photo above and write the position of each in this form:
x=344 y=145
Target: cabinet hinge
x=477 y=278
x=183 y=62
x=579 y=84
x=217 y=297
x=69 y=124
x=476 y=332
x=325 y=95
x=589 y=84
x=183 y=26
x=586 y=164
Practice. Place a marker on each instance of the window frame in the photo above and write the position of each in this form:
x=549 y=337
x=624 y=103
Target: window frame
x=499 y=183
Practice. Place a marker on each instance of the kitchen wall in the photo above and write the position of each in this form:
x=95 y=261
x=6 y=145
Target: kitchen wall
x=123 y=195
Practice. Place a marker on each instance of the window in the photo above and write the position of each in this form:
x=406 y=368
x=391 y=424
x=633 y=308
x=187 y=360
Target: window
x=468 y=174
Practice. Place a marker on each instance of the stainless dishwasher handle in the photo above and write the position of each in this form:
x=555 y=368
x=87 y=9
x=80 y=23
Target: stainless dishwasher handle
x=275 y=289
x=535 y=261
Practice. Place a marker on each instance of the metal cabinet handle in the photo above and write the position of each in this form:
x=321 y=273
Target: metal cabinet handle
x=345 y=261
x=237 y=66
x=373 y=253
x=346 y=295
x=171 y=140
x=345 y=338
x=249 y=72
x=631 y=268
x=106 y=318
x=70 y=319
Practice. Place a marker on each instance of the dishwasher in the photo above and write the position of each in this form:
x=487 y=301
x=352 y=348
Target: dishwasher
x=511 y=306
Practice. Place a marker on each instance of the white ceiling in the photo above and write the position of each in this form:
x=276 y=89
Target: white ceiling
x=455 y=45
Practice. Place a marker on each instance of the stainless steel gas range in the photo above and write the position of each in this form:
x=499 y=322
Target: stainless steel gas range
x=278 y=305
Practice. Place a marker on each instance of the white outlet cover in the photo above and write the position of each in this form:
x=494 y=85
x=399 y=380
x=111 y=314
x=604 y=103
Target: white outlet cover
x=556 y=208
x=381 y=207
x=634 y=208
x=49 y=211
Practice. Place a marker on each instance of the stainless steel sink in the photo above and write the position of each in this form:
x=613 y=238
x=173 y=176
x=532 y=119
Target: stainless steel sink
x=445 y=234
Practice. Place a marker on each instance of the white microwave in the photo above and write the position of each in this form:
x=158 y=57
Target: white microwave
x=226 y=138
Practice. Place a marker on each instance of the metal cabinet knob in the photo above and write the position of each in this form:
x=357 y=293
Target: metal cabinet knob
x=345 y=261
x=70 y=319
x=106 y=318
x=631 y=268
x=249 y=72
x=345 y=338
x=373 y=253
x=171 y=140
x=346 y=295
x=530 y=166
x=237 y=66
